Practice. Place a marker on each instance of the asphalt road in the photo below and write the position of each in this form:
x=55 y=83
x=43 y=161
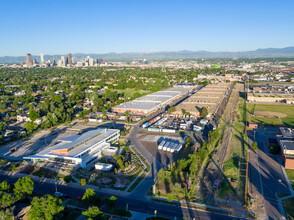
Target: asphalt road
x=135 y=203
x=267 y=177
x=148 y=181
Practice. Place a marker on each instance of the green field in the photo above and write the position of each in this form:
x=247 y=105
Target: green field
x=267 y=121
x=274 y=121
x=290 y=174
x=286 y=109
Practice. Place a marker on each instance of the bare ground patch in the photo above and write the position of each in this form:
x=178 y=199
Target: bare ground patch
x=270 y=114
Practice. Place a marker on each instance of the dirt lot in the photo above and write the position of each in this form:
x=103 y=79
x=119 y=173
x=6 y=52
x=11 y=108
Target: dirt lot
x=214 y=169
x=150 y=142
x=270 y=114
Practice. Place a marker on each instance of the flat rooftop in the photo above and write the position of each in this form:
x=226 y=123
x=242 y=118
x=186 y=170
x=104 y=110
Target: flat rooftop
x=209 y=97
x=288 y=144
x=74 y=145
x=152 y=100
x=287 y=132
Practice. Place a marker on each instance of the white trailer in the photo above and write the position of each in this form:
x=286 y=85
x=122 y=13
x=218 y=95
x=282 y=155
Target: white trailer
x=179 y=147
x=172 y=150
x=169 y=146
x=165 y=146
x=161 y=145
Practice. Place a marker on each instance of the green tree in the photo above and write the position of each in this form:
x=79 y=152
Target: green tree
x=254 y=146
x=91 y=197
x=112 y=201
x=203 y=112
x=93 y=213
x=6 y=200
x=30 y=126
x=82 y=182
x=171 y=110
x=22 y=187
x=188 y=141
x=177 y=189
x=161 y=174
x=4 y=186
x=33 y=115
x=6 y=214
x=45 y=207
x=2 y=105
x=2 y=126
x=170 y=197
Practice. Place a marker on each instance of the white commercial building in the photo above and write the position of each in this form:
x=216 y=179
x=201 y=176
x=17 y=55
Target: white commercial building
x=83 y=149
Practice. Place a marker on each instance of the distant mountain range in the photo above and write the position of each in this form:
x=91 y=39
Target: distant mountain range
x=160 y=56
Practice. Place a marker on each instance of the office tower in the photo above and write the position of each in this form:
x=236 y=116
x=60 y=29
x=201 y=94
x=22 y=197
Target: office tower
x=100 y=61
x=34 y=61
x=42 y=58
x=60 y=63
x=69 y=59
x=29 y=59
x=54 y=62
x=64 y=61
x=91 y=62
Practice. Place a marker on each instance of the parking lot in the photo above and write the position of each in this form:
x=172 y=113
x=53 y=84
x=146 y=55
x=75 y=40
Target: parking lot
x=16 y=150
x=150 y=142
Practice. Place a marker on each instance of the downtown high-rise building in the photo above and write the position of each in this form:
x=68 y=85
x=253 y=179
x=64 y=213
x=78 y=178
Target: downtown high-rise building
x=69 y=59
x=91 y=62
x=29 y=59
x=42 y=58
x=63 y=61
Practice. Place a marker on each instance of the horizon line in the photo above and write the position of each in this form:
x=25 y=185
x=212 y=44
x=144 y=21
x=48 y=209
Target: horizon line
x=150 y=52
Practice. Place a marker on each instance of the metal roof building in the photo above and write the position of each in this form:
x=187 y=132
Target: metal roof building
x=81 y=149
x=150 y=102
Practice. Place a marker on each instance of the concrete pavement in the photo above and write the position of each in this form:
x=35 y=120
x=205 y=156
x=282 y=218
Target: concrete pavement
x=135 y=203
x=266 y=176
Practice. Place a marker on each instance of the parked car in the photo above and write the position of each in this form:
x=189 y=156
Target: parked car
x=215 y=184
x=58 y=194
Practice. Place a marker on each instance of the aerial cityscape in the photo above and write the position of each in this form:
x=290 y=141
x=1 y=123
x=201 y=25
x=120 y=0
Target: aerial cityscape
x=146 y=110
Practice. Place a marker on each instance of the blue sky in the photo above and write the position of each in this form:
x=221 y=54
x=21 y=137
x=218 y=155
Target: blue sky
x=59 y=27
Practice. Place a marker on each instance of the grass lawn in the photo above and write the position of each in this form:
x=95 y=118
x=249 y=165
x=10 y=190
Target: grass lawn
x=288 y=205
x=267 y=121
x=286 y=109
x=290 y=174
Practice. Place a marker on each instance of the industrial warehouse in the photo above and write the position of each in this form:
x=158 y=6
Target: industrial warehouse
x=81 y=149
x=209 y=97
x=152 y=102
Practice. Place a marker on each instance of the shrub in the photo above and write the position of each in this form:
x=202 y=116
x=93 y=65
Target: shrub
x=82 y=182
x=275 y=149
x=254 y=146
x=67 y=179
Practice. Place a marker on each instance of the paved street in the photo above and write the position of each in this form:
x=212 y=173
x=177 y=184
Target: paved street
x=148 y=181
x=135 y=202
x=266 y=176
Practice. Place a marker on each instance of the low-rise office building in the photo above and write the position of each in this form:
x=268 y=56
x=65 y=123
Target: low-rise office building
x=285 y=140
x=79 y=150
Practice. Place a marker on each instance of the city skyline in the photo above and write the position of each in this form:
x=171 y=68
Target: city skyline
x=130 y=26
